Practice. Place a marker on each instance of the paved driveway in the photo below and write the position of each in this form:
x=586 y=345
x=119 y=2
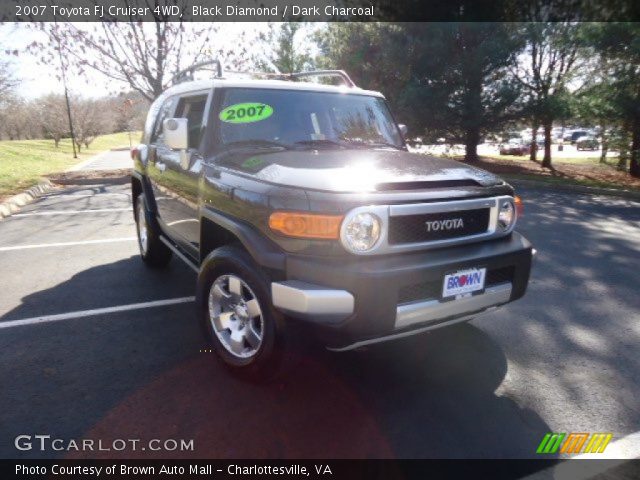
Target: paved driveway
x=95 y=345
x=117 y=159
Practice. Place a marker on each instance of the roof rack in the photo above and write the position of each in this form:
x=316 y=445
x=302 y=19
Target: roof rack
x=297 y=75
x=324 y=73
x=188 y=73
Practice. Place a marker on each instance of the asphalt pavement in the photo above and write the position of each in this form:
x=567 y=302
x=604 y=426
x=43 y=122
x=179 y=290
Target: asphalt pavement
x=88 y=350
x=116 y=159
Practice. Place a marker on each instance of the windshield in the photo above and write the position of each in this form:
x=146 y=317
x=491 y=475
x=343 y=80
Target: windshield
x=304 y=119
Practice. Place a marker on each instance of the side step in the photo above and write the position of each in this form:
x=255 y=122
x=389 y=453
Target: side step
x=179 y=254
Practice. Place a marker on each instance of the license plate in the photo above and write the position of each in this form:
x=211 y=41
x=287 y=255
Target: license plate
x=463 y=282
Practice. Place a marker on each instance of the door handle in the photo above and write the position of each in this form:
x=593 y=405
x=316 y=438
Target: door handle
x=161 y=166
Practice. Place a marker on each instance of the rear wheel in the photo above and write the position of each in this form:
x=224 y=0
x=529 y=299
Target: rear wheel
x=154 y=253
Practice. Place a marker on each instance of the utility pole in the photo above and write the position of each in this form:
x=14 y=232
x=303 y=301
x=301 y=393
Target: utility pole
x=66 y=91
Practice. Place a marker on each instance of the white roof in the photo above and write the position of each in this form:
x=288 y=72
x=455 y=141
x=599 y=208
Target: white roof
x=195 y=85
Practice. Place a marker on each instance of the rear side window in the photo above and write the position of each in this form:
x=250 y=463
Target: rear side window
x=192 y=108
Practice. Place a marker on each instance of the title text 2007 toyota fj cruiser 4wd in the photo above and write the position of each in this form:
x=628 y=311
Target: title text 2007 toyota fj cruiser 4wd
x=298 y=201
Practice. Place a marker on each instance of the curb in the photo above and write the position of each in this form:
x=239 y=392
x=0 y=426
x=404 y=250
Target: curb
x=119 y=180
x=627 y=194
x=13 y=204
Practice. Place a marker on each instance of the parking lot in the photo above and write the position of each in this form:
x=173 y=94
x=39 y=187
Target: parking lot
x=568 y=151
x=95 y=345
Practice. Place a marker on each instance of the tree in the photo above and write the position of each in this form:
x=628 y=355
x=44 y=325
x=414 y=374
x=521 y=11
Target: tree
x=16 y=118
x=89 y=120
x=141 y=55
x=597 y=105
x=357 y=49
x=618 y=46
x=128 y=112
x=7 y=80
x=465 y=65
x=549 y=61
x=53 y=117
x=448 y=79
x=285 y=48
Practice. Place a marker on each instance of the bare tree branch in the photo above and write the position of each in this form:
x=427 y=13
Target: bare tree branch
x=142 y=55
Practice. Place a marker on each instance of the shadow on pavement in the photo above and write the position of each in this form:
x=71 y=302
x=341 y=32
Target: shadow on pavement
x=141 y=375
x=430 y=397
x=576 y=337
x=123 y=282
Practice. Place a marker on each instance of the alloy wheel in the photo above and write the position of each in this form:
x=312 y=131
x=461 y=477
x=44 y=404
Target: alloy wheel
x=236 y=316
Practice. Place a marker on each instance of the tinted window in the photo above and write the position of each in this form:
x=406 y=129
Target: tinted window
x=301 y=117
x=192 y=108
x=165 y=112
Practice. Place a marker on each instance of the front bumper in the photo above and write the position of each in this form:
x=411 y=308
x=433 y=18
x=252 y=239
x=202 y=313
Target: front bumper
x=361 y=300
x=312 y=302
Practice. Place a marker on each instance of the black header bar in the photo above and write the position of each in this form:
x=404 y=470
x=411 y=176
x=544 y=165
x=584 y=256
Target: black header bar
x=318 y=10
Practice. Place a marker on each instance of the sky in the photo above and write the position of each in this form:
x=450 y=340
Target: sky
x=36 y=79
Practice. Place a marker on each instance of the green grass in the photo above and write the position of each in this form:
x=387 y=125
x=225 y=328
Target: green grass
x=568 y=181
x=24 y=162
x=556 y=159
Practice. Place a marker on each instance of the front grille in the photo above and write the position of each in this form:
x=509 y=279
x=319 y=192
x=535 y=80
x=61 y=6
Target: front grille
x=413 y=228
x=420 y=291
x=433 y=289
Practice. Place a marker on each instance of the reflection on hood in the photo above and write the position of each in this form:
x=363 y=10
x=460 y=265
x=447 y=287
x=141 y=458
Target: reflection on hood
x=351 y=170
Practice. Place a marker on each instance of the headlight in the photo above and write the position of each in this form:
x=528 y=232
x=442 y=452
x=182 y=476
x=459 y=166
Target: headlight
x=506 y=216
x=360 y=232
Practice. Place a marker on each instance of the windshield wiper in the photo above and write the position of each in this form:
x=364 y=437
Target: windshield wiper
x=360 y=143
x=320 y=143
x=257 y=143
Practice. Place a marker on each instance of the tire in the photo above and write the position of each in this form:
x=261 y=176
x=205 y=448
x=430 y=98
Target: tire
x=152 y=251
x=237 y=316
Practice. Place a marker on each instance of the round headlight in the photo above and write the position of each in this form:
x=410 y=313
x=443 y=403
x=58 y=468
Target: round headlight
x=506 y=216
x=361 y=232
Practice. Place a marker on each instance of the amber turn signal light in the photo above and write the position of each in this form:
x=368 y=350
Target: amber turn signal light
x=519 y=206
x=306 y=225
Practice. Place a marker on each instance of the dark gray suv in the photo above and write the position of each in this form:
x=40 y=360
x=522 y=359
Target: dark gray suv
x=299 y=202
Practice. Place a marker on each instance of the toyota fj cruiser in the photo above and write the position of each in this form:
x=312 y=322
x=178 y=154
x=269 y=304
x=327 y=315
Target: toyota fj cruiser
x=299 y=202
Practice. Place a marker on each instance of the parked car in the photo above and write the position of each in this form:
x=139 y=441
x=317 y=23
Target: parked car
x=587 y=143
x=298 y=203
x=415 y=142
x=573 y=135
x=515 y=146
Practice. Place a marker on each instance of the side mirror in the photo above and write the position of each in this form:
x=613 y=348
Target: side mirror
x=176 y=133
x=403 y=129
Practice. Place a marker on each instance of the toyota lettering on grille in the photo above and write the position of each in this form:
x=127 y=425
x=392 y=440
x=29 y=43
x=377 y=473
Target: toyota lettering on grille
x=448 y=224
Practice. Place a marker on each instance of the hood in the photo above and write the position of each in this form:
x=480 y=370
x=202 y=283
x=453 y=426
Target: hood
x=355 y=170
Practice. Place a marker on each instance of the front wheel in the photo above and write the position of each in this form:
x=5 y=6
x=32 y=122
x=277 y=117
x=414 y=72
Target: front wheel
x=236 y=313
